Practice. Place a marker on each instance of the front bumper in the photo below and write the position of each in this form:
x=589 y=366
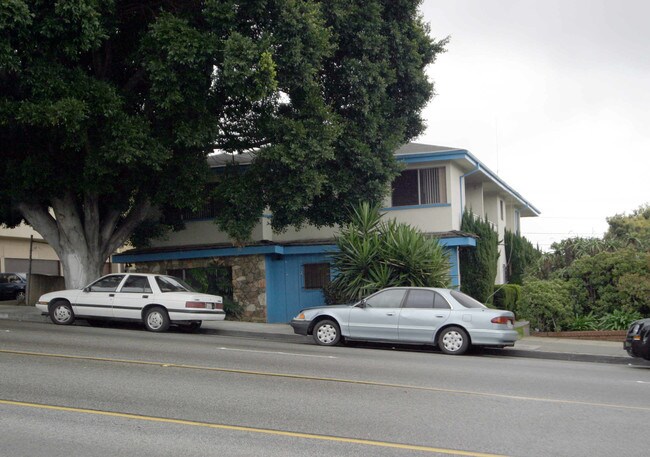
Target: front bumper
x=637 y=348
x=300 y=327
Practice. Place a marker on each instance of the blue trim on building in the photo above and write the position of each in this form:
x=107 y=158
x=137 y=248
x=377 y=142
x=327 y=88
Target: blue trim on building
x=223 y=252
x=455 y=154
x=458 y=241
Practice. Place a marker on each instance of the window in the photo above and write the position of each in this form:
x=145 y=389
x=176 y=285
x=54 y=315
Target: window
x=501 y=208
x=425 y=299
x=317 y=275
x=423 y=186
x=212 y=279
x=466 y=300
x=107 y=284
x=136 y=284
x=420 y=299
x=386 y=299
x=170 y=284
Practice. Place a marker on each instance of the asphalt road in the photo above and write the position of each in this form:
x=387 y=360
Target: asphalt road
x=83 y=391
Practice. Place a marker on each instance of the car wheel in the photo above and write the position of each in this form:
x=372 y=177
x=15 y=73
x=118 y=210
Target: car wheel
x=20 y=295
x=61 y=313
x=453 y=340
x=156 y=319
x=327 y=333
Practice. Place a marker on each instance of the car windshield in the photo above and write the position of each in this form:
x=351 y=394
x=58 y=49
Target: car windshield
x=466 y=300
x=172 y=284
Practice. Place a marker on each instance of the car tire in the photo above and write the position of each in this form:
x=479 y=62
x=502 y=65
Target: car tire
x=327 y=333
x=156 y=319
x=61 y=313
x=20 y=295
x=453 y=341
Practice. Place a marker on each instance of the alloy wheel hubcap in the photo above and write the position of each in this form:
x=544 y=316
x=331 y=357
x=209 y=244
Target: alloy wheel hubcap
x=452 y=341
x=326 y=334
x=155 y=320
x=62 y=314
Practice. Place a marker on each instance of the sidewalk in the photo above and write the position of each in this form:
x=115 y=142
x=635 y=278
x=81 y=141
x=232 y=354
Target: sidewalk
x=531 y=347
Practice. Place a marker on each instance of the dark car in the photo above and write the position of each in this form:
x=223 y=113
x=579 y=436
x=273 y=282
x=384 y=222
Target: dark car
x=12 y=286
x=637 y=341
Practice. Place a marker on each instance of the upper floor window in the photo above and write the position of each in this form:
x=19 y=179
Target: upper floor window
x=422 y=186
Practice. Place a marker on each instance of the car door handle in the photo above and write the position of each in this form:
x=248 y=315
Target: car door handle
x=390 y=314
x=440 y=316
x=145 y=296
x=111 y=295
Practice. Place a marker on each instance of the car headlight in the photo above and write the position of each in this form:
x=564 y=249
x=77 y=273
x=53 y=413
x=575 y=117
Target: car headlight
x=300 y=317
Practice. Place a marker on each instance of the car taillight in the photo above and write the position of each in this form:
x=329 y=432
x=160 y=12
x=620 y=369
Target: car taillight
x=195 y=304
x=501 y=320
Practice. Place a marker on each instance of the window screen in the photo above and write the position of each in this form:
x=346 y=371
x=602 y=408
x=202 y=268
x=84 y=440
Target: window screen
x=317 y=275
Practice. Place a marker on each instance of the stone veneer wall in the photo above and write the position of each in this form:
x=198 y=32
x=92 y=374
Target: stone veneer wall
x=248 y=278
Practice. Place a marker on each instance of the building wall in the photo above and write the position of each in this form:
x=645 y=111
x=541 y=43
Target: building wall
x=14 y=249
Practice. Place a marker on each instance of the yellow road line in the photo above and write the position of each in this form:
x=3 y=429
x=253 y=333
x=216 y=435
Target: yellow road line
x=238 y=428
x=325 y=379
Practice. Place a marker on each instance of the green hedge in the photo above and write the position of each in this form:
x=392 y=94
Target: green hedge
x=506 y=296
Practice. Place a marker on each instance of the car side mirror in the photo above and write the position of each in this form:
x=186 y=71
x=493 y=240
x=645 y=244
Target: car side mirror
x=86 y=289
x=361 y=304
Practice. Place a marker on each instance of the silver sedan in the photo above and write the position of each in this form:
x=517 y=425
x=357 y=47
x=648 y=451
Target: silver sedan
x=447 y=318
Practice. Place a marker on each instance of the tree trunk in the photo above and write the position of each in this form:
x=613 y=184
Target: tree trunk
x=83 y=241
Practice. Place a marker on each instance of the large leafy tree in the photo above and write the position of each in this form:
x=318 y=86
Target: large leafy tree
x=108 y=110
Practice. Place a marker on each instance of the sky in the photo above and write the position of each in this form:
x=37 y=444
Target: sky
x=554 y=96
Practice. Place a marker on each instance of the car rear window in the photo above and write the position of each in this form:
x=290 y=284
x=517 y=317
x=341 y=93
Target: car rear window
x=466 y=300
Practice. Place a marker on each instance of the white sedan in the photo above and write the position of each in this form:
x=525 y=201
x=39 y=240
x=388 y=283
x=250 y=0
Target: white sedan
x=155 y=300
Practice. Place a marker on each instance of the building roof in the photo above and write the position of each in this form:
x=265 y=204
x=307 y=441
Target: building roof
x=416 y=153
x=421 y=153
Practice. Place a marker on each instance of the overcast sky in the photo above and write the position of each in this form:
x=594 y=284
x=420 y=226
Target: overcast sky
x=553 y=95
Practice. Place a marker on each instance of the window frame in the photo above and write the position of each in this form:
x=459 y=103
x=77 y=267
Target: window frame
x=408 y=199
x=317 y=279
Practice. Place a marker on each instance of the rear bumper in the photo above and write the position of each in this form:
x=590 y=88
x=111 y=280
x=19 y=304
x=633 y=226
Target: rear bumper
x=493 y=337
x=197 y=315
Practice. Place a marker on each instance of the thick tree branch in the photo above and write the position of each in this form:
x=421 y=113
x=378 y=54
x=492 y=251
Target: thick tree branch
x=136 y=216
x=41 y=220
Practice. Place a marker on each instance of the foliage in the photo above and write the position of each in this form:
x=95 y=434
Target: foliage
x=546 y=305
x=108 y=111
x=583 y=322
x=373 y=254
x=216 y=279
x=619 y=319
x=563 y=253
x=632 y=230
x=521 y=255
x=609 y=281
x=506 y=296
x=478 y=266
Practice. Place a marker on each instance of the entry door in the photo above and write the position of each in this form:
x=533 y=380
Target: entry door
x=97 y=299
x=423 y=312
x=378 y=319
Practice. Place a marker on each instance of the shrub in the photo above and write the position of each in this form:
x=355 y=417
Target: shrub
x=546 y=305
x=583 y=322
x=478 y=265
x=506 y=296
x=619 y=319
x=374 y=254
